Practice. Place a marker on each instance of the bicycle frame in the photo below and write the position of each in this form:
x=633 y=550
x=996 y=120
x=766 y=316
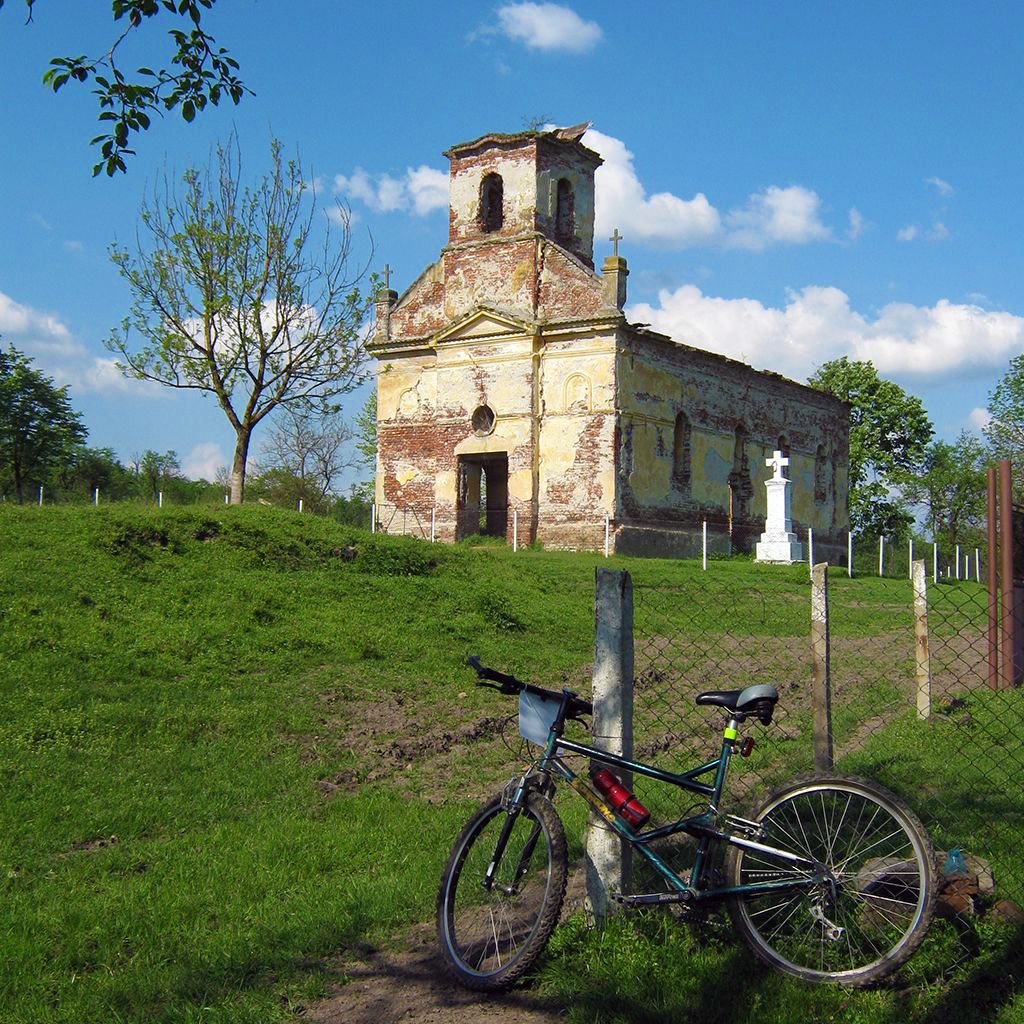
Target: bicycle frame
x=702 y=826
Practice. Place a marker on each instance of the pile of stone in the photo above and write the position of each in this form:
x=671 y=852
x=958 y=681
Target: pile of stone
x=967 y=888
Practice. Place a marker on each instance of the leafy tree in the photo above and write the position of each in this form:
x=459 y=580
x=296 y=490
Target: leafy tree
x=197 y=72
x=92 y=468
x=889 y=431
x=366 y=445
x=1005 y=431
x=951 y=487
x=230 y=296
x=39 y=430
x=157 y=468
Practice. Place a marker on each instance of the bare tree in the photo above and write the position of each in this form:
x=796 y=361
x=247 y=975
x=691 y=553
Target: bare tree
x=231 y=295
x=316 y=448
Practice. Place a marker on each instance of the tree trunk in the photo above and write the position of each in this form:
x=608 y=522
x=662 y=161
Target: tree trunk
x=238 y=466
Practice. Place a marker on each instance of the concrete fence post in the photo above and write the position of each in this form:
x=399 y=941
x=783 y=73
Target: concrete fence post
x=159 y=499
x=373 y=518
x=40 y=495
x=849 y=554
x=704 y=542
x=515 y=530
x=810 y=548
x=608 y=861
x=433 y=525
x=923 y=673
x=821 y=684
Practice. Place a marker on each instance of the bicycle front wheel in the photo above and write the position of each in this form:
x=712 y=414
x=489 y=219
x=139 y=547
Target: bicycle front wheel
x=866 y=908
x=490 y=937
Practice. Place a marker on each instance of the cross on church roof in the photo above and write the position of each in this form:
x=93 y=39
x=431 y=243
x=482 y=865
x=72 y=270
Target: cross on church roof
x=615 y=239
x=778 y=462
x=387 y=277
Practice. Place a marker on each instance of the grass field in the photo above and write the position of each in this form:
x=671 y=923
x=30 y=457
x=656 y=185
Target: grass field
x=236 y=745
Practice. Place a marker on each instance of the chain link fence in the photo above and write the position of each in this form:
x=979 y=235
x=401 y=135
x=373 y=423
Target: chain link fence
x=919 y=717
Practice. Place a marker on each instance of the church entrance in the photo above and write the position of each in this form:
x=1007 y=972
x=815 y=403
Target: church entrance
x=482 y=495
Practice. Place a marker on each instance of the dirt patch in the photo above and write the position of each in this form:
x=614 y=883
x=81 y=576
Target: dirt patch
x=410 y=983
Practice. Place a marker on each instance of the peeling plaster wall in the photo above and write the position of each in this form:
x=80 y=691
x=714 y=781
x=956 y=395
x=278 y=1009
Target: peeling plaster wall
x=659 y=379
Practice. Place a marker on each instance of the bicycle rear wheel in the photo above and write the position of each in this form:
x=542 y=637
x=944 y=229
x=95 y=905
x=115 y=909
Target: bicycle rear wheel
x=489 y=938
x=871 y=906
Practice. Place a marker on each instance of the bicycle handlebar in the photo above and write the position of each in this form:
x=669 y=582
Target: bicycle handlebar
x=510 y=685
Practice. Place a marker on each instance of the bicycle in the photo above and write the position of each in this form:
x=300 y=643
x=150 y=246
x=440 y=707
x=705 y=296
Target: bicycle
x=831 y=880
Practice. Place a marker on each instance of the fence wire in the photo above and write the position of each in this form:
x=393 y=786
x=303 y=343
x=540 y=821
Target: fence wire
x=957 y=760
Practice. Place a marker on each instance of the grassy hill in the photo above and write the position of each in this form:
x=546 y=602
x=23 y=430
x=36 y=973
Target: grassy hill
x=236 y=743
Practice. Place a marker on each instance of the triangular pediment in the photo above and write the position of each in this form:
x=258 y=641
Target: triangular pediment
x=483 y=323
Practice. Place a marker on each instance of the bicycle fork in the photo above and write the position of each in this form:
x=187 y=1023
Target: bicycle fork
x=513 y=809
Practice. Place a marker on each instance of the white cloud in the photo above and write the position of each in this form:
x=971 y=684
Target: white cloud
x=817 y=324
x=908 y=233
x=47 y=340
x=857 y=224
x=203 y=461
x=420 y=190
x=621 y=202
x=938 y=233
x=787 y=215
x=979 y=419
x=942 y=187
x=773 y=216
x=428 y=188
x=548 y=27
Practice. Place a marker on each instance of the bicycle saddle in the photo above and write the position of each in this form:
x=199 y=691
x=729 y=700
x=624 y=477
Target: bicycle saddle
x=756 y=700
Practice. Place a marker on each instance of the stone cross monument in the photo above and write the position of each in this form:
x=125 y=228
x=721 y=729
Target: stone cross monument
x=778 y=542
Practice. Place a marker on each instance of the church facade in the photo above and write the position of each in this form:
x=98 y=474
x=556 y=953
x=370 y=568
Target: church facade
x=512 y=393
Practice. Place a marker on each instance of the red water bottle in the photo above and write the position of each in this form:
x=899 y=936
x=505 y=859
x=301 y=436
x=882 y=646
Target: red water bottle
x=621 y=800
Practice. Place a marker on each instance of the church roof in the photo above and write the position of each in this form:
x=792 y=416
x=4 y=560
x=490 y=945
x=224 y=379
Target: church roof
x=570 y=136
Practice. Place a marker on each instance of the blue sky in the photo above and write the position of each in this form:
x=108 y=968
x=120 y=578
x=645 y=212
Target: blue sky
x=793 y=182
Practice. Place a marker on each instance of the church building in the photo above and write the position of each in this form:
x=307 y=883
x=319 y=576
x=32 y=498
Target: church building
x=512 y=393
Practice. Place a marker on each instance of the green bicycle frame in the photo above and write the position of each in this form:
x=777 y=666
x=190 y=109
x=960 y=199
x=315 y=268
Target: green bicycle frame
x=702 y=826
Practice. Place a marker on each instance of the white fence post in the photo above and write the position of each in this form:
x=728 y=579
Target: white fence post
x=881 y=554
x=300 y=504
x=607 y=534
x=977 y=566
x=704 y=532
x=40 y=495
x=608 y=861
x=849 y=553
x=924 y=673
x=373 y=518
x=159 y=499
x=810 y=549
x=958 y=561
x=515 y=530
x=433 y=525
x=227 y=498
x=910 y=562
x=935 y=562
x=95 y=495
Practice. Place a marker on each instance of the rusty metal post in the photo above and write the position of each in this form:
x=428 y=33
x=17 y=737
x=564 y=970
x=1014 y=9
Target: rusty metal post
x=608 y=860
x=821 y=683
x=993 y=584
x=1007 y=633
x=924 y=670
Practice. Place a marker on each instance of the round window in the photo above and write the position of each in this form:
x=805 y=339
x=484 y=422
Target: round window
x=483 y=419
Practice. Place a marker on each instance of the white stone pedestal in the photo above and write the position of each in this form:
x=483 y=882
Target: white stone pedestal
x=778 y=542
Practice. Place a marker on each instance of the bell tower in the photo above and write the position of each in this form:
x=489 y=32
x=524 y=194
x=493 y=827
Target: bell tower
x=504 y=187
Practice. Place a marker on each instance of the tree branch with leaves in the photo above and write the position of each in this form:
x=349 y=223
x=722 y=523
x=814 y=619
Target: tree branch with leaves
x=197 y=73
x=233 y=296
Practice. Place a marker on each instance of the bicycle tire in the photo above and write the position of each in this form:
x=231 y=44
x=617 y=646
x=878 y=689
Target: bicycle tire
x=881 y=902
x=489 y=939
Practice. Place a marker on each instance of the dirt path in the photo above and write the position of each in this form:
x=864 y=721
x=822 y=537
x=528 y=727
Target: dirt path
x=410 y=985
